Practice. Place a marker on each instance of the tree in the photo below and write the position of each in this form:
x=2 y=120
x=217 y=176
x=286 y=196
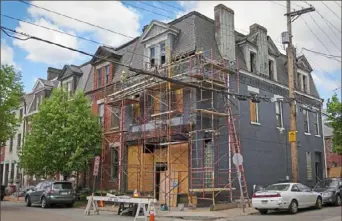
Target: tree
x=11 y=92
x=65 y=135
x=334 y=109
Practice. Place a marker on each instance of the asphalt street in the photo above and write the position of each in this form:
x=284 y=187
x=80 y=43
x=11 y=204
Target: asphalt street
x=11 y=211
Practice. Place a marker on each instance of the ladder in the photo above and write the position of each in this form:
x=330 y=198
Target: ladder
x=235 y=148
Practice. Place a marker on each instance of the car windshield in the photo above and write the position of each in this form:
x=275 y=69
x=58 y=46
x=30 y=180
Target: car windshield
x=62 y=186
x=278 y=187
x=327 y=184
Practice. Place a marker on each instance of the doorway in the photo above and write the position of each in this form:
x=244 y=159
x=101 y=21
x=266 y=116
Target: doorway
x=318 y=166
x=160 y=167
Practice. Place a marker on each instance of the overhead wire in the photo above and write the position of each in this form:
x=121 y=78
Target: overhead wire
x=338 y=4
x=331 y=10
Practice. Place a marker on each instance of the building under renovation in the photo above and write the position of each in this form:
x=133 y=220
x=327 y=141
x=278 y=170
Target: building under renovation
x=196 y=94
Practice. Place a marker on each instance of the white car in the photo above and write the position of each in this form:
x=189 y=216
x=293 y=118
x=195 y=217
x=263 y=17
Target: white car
x=286 y=196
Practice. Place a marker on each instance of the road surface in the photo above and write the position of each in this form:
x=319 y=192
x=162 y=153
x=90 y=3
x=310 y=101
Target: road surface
x=12 y=211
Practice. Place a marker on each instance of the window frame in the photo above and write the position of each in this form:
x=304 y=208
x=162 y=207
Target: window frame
x=107 y=73
x=11 y=144
x=99 y=77
x=317 y=125
x=115 y=115
x=253 y=65
x=309 y=171
x=114 y=172
x=271 y=66
x=152 y=57
x=256 y=105
x=101 y=113
x=19 y=141
x=279 y=104
x=162 y=52
x=307 y=120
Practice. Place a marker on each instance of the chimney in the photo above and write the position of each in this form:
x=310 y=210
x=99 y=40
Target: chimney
x=262 y=54
x=224 y=31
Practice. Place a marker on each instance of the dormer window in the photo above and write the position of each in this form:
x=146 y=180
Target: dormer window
x=162 y=53
x=305 y=85
x=253 y=61
x=152 y=57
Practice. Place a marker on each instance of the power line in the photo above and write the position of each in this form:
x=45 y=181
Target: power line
x=331 y=10
x=178 y=8
x=157 y=7
x=324 y=32
x=75 y=19
x=337 y=3
x=320 y=53
x=315 y=35
x=139 y=71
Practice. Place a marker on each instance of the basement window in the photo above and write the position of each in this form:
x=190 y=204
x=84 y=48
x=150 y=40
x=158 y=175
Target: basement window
x=152 y=57
x=253 y=62
x=162 y=53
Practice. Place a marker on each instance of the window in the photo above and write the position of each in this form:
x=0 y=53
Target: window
x=12 y=172
x=115 y=163
x=38 y=101
x=156 y=102
x=308 y=166
x=295 y=188
x=69 y=88
x=306 y=121
x=20 y=114
x=152 y=57
x=11 y=144
x=271 y=69
x=177 y=100
x=99 y=77
x=107 y=70
x=208 y=163
x=253 y=62
x=279 y=114
x=254 y=111
x=162 y=53
x=316 y=124
x=19 y=142
x=116 y=117
x=303 y=188
x=305 y=85
x=136 y=112
x=101 y=112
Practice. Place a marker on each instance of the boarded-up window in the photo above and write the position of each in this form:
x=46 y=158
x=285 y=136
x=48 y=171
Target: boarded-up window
x=177 y=100
x=279 y=114
x=254 y=112
x=136 y=112
x=308 y=166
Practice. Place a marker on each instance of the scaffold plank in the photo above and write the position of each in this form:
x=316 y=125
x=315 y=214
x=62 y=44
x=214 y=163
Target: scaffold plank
x=214 y=113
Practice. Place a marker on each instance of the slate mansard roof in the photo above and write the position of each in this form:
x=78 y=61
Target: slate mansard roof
x=196 y=32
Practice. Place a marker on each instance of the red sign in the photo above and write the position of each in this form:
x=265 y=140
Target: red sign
x=96 y=166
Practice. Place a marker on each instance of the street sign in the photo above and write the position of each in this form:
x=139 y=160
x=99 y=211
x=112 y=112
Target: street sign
x=96 y=166
x=292 y=136
x=237 y=159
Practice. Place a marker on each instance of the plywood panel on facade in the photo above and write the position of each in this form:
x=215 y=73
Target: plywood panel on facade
x=147 y=178
x=133 y=168
x=168 y=190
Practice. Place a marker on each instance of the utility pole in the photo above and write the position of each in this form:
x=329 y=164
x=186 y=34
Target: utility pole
x=290 y=69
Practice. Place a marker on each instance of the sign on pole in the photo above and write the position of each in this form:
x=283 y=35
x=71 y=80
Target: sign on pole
x=292 y=136
x=237 y=159
x=96 y=166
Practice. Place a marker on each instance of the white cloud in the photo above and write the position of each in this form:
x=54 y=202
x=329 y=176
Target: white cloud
x=43 y=52
x=271 y=16
x=112 y=15
x=7 y=54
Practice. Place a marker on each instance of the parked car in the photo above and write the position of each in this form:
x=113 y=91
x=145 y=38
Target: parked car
x=286 y=196
x=2 y=192
x=48 y=193
x=331 y=190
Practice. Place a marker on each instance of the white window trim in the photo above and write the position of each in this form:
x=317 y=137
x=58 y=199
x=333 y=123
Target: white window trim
x=275 y=74
x=275 y=98
x=306 y=74
x=249 y=50
x=318 y=129
x=308 y=120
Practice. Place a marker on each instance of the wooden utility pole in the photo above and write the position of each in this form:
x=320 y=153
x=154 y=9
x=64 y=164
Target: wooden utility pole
x=290 y=69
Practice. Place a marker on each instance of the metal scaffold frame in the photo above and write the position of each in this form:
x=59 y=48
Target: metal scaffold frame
x=169 y=114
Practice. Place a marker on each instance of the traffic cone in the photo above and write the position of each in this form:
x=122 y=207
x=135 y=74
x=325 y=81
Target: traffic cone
x=151 y=214
x=101 y=203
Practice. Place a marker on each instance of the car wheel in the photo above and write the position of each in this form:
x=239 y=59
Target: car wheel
x=338 y=201
x=263 y=211
x=44 y=203
x=293 y=208
x=28 y=201
x=319 y=203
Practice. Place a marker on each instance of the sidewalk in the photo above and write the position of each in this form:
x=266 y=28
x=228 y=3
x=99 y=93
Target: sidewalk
x=200 y=214
x=14 y=199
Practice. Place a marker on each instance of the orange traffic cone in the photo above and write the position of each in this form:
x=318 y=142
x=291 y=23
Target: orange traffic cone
x=151 y=214
x=101 y=203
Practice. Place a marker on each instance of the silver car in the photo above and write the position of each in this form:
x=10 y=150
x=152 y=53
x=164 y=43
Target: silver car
x=48 y=193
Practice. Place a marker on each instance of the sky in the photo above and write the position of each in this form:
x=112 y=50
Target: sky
x=318 y=31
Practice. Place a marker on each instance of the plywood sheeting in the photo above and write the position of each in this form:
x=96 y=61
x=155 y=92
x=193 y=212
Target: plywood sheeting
x=144 y=169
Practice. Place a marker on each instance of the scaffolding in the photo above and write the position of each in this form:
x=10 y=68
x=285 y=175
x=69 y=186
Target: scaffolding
x=174 y=142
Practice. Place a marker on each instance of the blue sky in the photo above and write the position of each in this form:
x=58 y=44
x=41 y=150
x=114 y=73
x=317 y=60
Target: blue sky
x=33 y=58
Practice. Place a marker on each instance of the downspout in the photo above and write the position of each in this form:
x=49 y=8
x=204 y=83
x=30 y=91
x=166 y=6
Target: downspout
x=24 y=132
x=325 y=175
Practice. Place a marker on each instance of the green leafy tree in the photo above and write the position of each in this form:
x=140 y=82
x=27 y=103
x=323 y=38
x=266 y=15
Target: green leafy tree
x=334 y=109
x=11 y=92
x=65 y=135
